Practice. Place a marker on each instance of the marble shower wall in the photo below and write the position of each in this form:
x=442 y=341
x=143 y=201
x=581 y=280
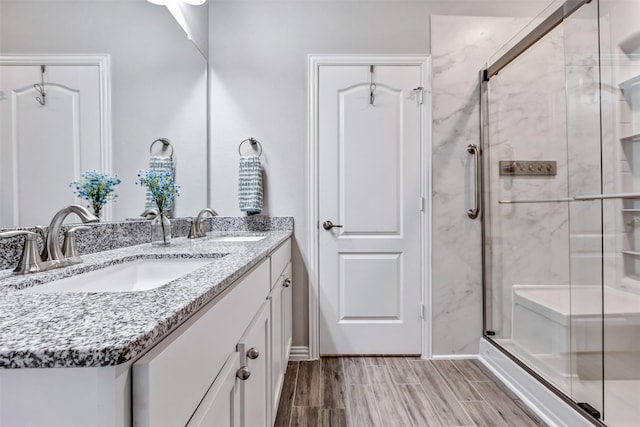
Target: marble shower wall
x=545 y=244
x=460 y=47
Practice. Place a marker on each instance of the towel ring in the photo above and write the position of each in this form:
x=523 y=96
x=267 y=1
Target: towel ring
x=165 y=143
x=253 y=142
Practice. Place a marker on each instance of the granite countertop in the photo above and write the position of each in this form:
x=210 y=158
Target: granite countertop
x=106 y=329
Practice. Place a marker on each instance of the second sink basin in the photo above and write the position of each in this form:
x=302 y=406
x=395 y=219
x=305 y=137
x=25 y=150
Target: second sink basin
x=133 y=276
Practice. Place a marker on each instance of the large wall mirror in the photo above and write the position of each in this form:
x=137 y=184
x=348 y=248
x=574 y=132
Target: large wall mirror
x=157 y=80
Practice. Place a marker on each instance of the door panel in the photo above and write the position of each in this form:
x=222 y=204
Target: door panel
x=357 y=272
x=33 y=124
x=70 y=126
x=360 y=126
x=370 y=184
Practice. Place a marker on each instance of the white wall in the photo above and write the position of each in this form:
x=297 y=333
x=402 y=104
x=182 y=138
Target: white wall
x=258 y=65
x=158 y=82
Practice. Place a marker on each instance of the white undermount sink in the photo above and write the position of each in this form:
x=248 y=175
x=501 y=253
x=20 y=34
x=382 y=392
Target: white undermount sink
x=133 y=276
x=236 y=238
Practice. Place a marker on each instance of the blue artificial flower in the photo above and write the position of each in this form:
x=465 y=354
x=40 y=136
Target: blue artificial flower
x=161 y=185
x=95 y=187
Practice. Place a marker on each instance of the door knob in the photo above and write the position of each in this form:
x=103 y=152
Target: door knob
x=253 y=353
x=243 y=373
x=286 y=283
x=328 y=225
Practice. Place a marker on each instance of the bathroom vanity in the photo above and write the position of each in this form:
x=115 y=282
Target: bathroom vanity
x=209 y=345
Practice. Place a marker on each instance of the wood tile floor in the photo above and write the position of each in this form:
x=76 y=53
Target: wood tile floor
x=396 y=392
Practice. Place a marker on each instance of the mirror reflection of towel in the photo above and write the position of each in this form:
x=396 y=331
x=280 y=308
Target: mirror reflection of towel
x=250 y=185
x=160 y=164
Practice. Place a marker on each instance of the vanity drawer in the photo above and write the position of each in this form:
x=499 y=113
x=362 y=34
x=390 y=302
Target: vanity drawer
x=279 y=260
x=169 y=381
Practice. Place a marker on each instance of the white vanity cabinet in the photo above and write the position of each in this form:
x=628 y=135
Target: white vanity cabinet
x=193 y=377
x=223 y=367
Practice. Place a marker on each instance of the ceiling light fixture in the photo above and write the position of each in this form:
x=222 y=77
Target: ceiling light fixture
x=176 y=8
x=191 y=2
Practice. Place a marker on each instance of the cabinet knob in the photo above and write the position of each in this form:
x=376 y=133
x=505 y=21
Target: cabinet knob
x=253 y=353
x=243 y=373
x=287 y=283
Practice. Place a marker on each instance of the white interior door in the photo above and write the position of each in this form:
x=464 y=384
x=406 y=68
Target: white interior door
x=44 y=147
x=370 y=185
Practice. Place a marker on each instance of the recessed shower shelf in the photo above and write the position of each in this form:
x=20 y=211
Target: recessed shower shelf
x=632 y=138
x=630 y=83
x=630 y=210
x=632 y=253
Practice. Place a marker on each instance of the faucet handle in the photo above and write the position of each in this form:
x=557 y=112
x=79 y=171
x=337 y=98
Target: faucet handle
x=44 y=254
x=194 y=229
x=149 y=213
x=30 y=261
x=69 y=244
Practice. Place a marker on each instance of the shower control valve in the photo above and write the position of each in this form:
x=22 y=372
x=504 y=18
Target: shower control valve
x=528 y=168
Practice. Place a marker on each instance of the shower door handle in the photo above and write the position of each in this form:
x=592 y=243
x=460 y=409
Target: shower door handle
x=473 y=149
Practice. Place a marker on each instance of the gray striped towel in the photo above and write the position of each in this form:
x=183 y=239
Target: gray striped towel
x=250 y=185
x=160 y=164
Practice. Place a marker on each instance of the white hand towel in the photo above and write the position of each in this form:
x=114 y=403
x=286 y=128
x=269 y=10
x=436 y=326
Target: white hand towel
x=250 y=185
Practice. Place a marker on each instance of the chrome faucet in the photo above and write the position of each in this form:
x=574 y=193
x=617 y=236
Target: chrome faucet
x=56 y=256
x=196 y=230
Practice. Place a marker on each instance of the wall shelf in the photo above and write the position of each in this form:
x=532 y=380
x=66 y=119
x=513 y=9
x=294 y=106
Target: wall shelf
x=632 y=253
x=628 y=210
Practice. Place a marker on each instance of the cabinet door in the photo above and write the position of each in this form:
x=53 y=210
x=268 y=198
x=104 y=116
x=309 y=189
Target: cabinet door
x=287 y=315
x=278 y=363
x=255 y=355
x=170 y=380
x=221 y=405
x=279 y=260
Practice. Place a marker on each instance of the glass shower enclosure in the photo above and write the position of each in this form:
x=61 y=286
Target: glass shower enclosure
x=559 y=175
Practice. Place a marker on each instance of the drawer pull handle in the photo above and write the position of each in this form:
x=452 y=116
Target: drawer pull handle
x=253 y=353
x=287 y=283
x=243 y=373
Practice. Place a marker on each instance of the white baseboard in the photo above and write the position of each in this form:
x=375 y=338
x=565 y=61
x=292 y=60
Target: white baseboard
x=299 y=352
x=550 y=408
x=452 y=356
x=302 y=353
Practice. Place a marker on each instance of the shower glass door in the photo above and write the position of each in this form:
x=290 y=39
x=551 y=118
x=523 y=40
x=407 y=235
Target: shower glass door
x=544 y=257
x=620 y=99
x=585 y=220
